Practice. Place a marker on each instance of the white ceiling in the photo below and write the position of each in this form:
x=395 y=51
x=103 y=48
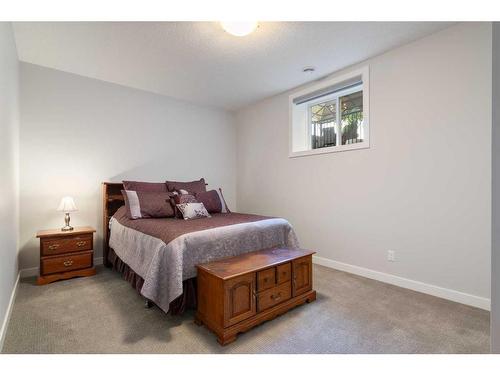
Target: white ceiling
x=200 y=63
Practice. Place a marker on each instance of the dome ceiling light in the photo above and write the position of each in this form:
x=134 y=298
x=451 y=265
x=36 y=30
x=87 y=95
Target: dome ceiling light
x=239 y=28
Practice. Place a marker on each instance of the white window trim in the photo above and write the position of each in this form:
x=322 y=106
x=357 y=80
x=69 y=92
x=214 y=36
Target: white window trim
x=365 y=76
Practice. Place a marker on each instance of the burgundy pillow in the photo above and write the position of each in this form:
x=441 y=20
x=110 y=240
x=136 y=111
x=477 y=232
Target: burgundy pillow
x=213 y=201
x=192 y=186
x=157 y=187
x=145 y=204
x=210 y=200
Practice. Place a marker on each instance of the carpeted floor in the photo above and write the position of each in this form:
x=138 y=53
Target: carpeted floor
x=103 y=314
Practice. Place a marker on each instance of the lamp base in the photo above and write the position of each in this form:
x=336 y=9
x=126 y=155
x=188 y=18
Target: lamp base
x=67 y=227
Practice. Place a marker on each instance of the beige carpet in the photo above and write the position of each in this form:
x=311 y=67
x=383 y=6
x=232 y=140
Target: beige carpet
x=103 y=314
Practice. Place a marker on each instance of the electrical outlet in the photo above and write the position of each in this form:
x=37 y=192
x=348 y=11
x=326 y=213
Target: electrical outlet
x=391 y=256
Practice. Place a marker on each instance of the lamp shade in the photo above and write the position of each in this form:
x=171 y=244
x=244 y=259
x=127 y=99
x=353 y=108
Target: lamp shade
x=67 y=205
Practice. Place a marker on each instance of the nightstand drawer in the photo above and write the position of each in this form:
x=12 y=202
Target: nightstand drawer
x=66 y=263
x=54 y=246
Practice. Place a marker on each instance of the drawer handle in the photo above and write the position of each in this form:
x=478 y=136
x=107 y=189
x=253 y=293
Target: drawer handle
x=276 y=297
x=81 y=243
x=53 y=247
x=265 y=279
x=68 y=263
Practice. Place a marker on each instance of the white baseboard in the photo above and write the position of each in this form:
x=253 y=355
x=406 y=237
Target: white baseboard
x=437 y=291
x=6 y=318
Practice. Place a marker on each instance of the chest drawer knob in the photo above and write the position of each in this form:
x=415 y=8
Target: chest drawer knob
x=68 y=263
x=276 y=297
x=53 y=247
x=81 y=243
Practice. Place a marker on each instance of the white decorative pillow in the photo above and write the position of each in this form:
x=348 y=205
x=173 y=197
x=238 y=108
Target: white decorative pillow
x=193 y=210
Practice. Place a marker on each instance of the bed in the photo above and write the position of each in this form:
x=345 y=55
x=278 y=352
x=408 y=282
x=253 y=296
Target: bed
x=158 y=256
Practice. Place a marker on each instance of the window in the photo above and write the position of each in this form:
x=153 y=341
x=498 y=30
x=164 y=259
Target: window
x=330 y=116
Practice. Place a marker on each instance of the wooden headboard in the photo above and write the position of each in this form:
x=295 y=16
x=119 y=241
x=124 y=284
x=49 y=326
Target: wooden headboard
x=112 y=200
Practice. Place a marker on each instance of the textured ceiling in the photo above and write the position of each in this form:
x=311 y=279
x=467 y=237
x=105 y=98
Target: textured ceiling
x=200 y=63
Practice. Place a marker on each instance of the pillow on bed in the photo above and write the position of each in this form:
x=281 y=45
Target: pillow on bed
x=157 y=187
x=213 y=201
x=180 y=199
x=193 y=211
x=192 y=186
x=145 y=204
x=183 y=198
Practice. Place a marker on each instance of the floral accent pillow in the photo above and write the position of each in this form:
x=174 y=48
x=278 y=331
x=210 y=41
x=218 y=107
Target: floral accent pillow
x=184 y=198
x=181 y=199
x=193 y=210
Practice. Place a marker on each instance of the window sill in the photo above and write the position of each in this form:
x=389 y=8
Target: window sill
x=327 y=150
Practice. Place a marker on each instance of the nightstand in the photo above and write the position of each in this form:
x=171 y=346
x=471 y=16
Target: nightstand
x=64 y=255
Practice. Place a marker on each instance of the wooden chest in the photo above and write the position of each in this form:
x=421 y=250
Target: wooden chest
x=238 y=293
x=66 y=254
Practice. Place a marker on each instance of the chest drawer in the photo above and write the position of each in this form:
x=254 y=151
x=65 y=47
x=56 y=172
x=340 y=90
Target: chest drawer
x=284 y=273
x=66 y=263
x=266 y=279
x=274 y=296
x=56 y=246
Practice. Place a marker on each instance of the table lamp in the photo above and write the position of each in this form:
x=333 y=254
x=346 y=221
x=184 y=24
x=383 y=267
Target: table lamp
x=67 y=205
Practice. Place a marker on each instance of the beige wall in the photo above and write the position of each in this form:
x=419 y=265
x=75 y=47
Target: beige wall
x=423 y=187
x=9 y=139
x=77 y=132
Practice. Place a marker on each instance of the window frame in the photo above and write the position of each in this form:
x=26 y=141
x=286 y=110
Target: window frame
x=365 y=87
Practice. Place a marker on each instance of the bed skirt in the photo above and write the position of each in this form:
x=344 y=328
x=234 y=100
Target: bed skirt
x=187 y=300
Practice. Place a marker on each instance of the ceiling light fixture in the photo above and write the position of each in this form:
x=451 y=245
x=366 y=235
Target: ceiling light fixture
x=239 y=28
